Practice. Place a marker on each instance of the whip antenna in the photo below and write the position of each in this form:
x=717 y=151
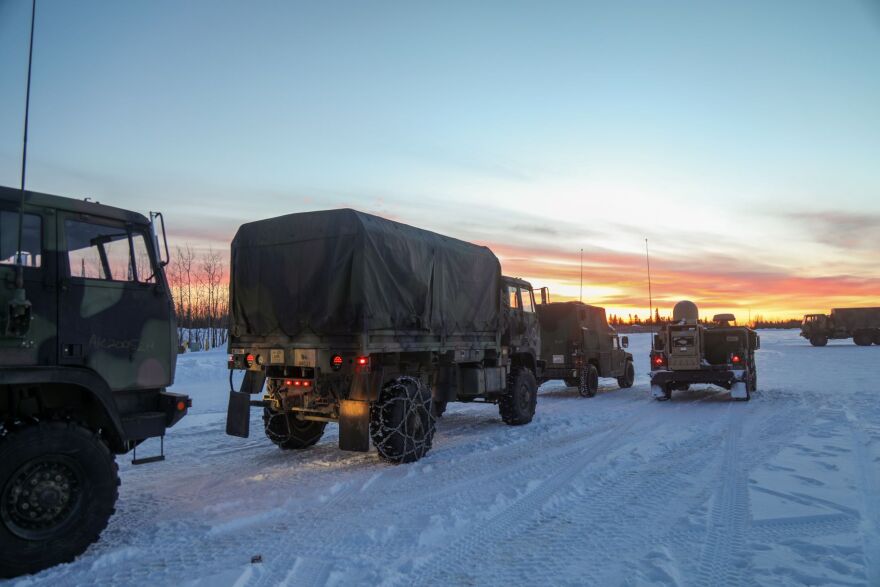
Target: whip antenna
x=19 y=272
x=650 y=296
x=18 y=317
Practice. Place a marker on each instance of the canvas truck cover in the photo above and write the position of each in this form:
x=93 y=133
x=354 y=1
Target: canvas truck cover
x=343 y=272
x=855 y=318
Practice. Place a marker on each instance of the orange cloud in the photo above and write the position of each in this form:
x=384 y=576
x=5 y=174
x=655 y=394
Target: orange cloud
x=715 y=282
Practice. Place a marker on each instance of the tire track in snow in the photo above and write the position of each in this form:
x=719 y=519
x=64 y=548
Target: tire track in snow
x=520 y=511
x=730 y=513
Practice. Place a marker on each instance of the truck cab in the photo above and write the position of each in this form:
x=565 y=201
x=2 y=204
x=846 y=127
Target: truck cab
x=87 y=350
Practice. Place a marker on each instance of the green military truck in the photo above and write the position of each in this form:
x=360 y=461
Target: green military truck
x=578 y=346
x=87 y=349
x=860 y=324
x=686 y=352
x=341 y=316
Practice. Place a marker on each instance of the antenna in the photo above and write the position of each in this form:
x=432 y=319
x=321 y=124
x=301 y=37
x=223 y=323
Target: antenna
x=582 y=276
x=19 y=271
x=18 y=312
x=650 y=295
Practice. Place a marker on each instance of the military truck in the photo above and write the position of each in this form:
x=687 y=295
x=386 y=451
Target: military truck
x=87 y=349
x=860 y=324
x=578 y=346
x=686 y=352
x=347 y=317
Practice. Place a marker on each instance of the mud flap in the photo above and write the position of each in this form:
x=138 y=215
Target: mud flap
x=657 y=391
x=354 y=425
x=238 y=414
x=738 y=390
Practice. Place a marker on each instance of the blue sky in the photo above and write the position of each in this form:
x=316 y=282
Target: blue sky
x=742 y=138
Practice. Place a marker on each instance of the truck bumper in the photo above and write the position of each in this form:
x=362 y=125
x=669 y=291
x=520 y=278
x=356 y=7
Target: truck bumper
x=170 y=409
x=725 y=378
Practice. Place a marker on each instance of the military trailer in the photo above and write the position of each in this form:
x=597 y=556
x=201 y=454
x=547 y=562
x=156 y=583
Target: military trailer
x=860 y=324
x=341 y=316
x=578 y=346
x=87 y=350
x=687 y=352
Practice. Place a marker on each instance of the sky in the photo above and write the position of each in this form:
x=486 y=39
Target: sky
x=742 y=139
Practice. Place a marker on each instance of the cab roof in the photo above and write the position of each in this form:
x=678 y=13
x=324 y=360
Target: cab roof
x=40 y=200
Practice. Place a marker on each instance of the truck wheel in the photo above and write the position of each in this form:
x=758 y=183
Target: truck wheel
x=629 y=376
x=588 y=386
x=58 y=488
x=863 y=339
x=289 y=432
x=818 y=340
x=517 y=406
x=401 y=424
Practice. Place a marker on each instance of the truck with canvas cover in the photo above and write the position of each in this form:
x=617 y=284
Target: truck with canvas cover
x=578 y=346
x=344 y=316
x=860 y=324
x=686 y=352
x=87 y=350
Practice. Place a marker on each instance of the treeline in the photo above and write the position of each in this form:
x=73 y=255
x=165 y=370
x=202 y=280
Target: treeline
x=201 y=301
x=777 y=324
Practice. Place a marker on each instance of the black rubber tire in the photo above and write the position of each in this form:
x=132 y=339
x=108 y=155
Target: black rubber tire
x=401 y=423
x=92 y=467
x=588 y=386
x=289 y=432
x=629 y=376
x=863 y=339
x=818 y=340
x=517 y=405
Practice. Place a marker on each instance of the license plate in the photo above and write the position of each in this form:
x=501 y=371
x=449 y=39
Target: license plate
x=558 y=359
x=276 y=356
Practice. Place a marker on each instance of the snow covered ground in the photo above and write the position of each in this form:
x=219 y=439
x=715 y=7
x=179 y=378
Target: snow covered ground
x=614 y=490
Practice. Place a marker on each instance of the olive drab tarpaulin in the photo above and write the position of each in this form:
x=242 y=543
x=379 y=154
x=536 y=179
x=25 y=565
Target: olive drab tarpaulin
x=341 y=272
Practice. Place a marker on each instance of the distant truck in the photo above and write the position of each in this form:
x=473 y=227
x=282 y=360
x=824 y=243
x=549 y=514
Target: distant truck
x=578 y=346
x=87 y=352
x=860 y=324
x=347 y=317
x=686 y=353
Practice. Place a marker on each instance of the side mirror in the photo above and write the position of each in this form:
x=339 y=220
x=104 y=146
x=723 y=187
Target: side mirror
x=153 y=217
x=624 y=342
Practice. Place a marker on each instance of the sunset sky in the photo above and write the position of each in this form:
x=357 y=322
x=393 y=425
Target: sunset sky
x=741 y=138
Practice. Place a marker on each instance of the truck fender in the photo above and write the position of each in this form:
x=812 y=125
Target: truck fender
x=85 y=380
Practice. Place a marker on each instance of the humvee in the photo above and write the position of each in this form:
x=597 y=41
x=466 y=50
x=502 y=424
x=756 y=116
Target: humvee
x=686 y=352
x=578 y=346
x=347 y=317
x=87 y=349
x=860 y=324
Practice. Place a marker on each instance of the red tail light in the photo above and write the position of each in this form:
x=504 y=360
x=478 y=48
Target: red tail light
x=658 y=360
x=735 y=359
x=288 y=382
x=336 y=362
x=250 y=360
x=362 y=361
x=297 y=383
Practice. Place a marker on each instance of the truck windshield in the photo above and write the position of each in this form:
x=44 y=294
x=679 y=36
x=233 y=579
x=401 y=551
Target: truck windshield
x=96 y=251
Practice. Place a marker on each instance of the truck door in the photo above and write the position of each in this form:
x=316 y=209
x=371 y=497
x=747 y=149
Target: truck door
x=618 y=356
x=39 y=346
x=115 y=314
x=532 y=333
